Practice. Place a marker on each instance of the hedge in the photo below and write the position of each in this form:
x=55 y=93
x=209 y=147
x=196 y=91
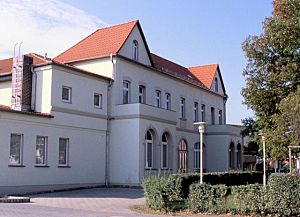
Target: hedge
x=160 y=191
x=283 y=195
x=226 y=178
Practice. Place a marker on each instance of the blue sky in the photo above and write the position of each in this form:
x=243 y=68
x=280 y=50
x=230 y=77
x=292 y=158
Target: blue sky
x=194 y=33
x=188 y=32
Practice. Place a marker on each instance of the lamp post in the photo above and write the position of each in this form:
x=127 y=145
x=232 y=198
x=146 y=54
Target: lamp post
x=264 y=160
x=201 y=129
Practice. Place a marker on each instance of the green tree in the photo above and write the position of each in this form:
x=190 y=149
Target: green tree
x=273 y=69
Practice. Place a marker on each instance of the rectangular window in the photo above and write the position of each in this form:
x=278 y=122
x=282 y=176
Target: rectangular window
x=142 y=94
x=63 y=156
x=41 y=150
x=164 y=155
x=66 y=94
x=126 y=92
x=196 y=156
x=212 y=111
x=97 y=100
x=167 y=101
x=157 y=98
x=203 y=113
x=196 y=111
x=16 y=146
x=220 y=117
x=182 y=107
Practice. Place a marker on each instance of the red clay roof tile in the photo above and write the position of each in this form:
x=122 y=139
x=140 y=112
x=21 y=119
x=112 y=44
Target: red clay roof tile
x=102 y=42
x=205 y=73
x=6 y=64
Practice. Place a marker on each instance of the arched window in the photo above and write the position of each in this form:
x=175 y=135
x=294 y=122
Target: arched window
x=149 y=150
x=135 y=48
x=182 y=155
x=239 y=156
x=164 y=151
x=216 y=85
x=231 y=155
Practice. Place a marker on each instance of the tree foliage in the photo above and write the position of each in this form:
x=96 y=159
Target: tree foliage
x=273 y=70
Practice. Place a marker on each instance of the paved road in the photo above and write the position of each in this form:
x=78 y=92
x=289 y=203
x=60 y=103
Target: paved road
x=98 y=202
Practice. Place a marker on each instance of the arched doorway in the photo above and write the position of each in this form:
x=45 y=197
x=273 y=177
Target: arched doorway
x=182 y=156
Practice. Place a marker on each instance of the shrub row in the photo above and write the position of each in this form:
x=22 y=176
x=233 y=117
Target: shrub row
x=226 y=178
x=280 y=197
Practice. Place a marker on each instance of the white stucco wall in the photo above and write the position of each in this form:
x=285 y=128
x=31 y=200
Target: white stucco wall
x=220 y=87
x=43 y=89
x=5 y=93
x=86 y=154
x=99 y=66
x=127 y=49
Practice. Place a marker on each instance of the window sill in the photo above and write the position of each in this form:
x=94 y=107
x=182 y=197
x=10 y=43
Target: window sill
x=97 y=107
x=65 y=101
x=151 y=169
x=43 y=166
x=15 y=165
x=64 y=166
x=165 y=169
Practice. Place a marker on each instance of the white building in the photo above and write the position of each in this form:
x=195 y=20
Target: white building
x=107 y=111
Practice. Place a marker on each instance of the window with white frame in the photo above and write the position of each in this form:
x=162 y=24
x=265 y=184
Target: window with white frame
x=220 y=117
x=16 y=149
x=63 y=154
x=66 y=94
x=164 y=151
x=182 y=108
x=41 y=150
x=142 y=94
x=158 y=98
x=212 y=111
x=203 y=113
x=149 y=150
x=196 y=112
x=167 y=101
x=216 y=85
x=135 y=50
x=126 y=92
x=97 y=100
x=197 y=155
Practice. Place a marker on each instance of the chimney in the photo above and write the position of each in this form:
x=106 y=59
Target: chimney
x=21 y=83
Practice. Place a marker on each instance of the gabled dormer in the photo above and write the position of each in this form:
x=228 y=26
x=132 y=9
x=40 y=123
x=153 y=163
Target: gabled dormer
x=211 y=77
x=135 y=47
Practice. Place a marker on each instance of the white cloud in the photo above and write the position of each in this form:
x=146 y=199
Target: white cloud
x=43 y=26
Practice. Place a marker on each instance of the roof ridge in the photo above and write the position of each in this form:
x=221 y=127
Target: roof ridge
x=203 y=65
x=170 y=60
x=40 y=57
x=77 y=43
x=90 y=35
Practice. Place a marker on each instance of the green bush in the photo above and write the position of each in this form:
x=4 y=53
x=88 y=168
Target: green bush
x=207 y=198
x=160 y=191
x=283 y=195
x=226 y=178
x=249 y=198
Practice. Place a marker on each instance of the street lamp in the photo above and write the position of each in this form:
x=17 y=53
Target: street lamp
x=201 y=129
x=264 y=159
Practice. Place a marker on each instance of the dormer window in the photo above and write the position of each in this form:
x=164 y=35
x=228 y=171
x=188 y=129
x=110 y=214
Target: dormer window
x=216 y=85
x=135 y=48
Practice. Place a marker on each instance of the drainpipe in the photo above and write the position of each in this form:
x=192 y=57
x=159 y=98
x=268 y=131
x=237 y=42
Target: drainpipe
x=108 y=125
x=33 y=95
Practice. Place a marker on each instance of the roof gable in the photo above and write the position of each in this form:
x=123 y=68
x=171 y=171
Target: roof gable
x=102 y=42
x=207 y=74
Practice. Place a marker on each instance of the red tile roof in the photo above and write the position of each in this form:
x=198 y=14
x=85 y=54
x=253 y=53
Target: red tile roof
x=102 y=42
x=205 y=73
x=175 y=70
x=6 y=64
